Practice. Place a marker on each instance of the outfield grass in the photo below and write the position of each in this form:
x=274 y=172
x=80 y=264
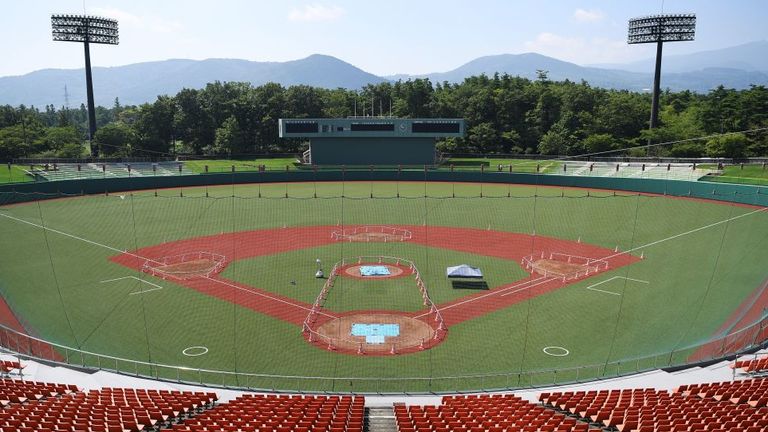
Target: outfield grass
x=15 y=175
x=750 y=174
x=61 y=285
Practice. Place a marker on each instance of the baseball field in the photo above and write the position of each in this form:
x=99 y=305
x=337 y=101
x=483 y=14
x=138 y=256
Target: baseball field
x=221 y=281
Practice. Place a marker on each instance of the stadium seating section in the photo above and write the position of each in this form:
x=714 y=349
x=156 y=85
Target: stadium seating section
x=496 y=413
x=754 y=366
x=8 y=366
x=27 y=406
x=251 y=413
x=729 y=406
x=31 y=406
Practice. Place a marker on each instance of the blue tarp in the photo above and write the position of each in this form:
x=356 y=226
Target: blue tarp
x=463 y=271
x=374 y=270
x=375 y=333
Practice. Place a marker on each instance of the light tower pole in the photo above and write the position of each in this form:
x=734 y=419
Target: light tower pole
x=659 y=29
x=86 y=29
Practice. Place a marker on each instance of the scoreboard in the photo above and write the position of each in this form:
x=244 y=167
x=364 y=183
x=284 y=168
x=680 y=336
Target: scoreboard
x=371 y=127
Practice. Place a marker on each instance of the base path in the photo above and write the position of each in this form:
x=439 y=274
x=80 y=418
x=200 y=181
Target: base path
x=498 y=244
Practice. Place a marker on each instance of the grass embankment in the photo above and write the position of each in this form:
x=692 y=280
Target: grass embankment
x=749 y=174
x=16 y=174
x=225 y=165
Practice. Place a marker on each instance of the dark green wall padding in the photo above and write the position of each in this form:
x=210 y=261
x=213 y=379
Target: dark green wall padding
x=735 y=193
x=373 y=150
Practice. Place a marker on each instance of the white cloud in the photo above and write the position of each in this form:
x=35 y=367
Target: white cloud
x=127 y=20
x=593 y=15
x=315 y=13
x=580 y=50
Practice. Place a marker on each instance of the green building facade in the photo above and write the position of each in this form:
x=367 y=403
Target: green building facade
x=371 y=140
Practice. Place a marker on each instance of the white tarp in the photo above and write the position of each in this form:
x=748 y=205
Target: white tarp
x=463 y=271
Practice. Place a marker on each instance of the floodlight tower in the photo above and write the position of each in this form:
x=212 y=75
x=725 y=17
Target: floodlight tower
x=659 y=29
x=86 y=29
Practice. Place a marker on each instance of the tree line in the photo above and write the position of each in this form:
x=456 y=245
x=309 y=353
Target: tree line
x=504 y=114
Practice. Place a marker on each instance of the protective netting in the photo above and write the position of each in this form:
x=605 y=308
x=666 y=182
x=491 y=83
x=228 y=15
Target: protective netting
x=577 y=283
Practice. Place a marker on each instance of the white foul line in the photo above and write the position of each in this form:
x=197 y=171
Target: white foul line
x=141 y=257
x=156 y=286
x=592 y=287
x=269 y=297
x=77 y=238
x=496 y=291
x=686 y=233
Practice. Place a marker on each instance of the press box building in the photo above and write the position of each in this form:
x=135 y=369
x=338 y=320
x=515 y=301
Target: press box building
x=371 y=140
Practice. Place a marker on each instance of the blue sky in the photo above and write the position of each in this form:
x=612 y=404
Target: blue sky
x=396 y=36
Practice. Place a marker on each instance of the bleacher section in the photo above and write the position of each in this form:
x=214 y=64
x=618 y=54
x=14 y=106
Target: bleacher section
x=484 y=413
x=664 y=171
x=728 y=406
x=108 y=170
x=251 y=413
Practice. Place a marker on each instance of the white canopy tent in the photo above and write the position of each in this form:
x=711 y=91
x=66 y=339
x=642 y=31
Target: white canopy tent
x=463 y=271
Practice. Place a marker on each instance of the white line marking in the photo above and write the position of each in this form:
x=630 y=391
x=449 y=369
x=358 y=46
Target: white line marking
x=269 y=297
x=141 y=257
x=77 y=238
x=603 y=291
x=602 y=282
x=156 y=286
x=145 y=291
x=188 y=351
x=687 y=232
x=117 y=279
x=495 y=292
x=563 y=352
x=592 y=287
x=634 y=280
x=528 y=287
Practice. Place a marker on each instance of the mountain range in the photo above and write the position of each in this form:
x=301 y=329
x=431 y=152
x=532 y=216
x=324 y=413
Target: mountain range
x=735 y=67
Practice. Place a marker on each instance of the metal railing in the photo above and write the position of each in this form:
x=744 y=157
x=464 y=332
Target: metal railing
x=726 y=347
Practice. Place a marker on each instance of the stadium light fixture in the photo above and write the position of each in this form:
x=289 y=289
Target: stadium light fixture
x=659 y=29
x=86 y=29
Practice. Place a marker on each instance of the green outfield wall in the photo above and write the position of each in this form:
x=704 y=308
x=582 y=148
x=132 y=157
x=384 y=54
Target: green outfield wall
x=743 y=194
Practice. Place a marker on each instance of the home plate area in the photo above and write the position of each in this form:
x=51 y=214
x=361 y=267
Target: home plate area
x=375 y=334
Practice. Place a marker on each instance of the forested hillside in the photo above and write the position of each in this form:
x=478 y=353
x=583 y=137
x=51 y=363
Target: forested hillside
x=504 y=114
